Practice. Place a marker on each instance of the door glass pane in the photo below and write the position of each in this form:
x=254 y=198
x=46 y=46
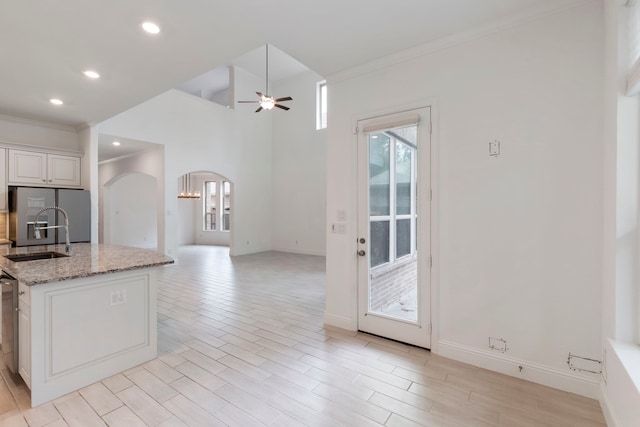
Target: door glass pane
x=379 y=174
x=210 y=204
x=403 y=237
x=403 y=178
x=379 y=242
x=393 y=285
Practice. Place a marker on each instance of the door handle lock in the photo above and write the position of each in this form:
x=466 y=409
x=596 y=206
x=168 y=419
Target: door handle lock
x=361 y=252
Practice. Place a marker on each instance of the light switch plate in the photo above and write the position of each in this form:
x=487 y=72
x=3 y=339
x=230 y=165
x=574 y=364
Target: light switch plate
x=494 y=148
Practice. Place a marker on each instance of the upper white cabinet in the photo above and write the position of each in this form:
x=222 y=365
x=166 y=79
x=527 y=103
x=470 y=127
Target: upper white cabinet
x=3 y=179
x=34 y=168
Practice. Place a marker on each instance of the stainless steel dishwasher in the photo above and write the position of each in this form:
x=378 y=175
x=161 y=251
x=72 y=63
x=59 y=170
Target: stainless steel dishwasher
x=9 y=321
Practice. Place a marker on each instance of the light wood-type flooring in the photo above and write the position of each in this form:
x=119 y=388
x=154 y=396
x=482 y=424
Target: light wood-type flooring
x=242 y=343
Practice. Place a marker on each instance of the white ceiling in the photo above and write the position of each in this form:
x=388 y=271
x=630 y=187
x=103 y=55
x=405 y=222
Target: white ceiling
x=127 y=147
x=44 y=44
x=281 y=66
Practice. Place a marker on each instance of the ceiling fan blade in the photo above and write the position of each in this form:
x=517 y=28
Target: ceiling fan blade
x=248 y=102
x=281 y=106
x=259 y=109
x=260 y=94
x=288 y=98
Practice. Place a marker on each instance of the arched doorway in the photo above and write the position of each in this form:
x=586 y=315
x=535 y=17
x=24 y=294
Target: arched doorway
x=207 y=220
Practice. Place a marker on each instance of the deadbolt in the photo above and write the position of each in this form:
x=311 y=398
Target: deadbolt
x=361 y=252
x=362 y=240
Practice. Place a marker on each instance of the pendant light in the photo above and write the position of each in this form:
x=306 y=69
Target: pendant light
x=185 y=188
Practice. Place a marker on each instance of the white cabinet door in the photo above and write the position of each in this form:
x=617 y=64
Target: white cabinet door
x=34 y=168
x=63 y=170
x=27 y=167
x=3 y=179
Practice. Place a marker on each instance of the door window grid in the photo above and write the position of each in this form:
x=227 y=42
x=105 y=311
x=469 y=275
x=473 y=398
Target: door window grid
x=386 y=243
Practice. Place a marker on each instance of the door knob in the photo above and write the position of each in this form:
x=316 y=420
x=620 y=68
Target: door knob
x=361 y=252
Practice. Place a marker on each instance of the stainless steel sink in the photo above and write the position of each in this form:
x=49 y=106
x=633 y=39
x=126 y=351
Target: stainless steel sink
x=34 y=256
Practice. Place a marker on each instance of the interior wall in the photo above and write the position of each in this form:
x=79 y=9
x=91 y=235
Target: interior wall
x=201 y=135
x=187 y=209
x=517 y=238
x=88 y=138
x=299 y=169
x=150 y=163
x=133 y=211
x=29 y=132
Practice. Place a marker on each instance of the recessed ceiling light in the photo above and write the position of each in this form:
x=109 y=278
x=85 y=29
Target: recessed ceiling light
x=91 y=74
x=150 y=27
x=56 y=101
x=116 y=143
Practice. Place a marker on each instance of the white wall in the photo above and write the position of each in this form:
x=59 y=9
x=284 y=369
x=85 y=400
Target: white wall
x=151 y=164
x=133 y=211
x=28 y=132
x=299 y=169
x=517 y=239
x=187 y=209
x=200 y=135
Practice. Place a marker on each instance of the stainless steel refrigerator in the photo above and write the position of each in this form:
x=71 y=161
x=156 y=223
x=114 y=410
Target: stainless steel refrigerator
x=26 y=202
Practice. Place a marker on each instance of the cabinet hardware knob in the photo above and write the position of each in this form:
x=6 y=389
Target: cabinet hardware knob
x=361 y=252
x=21 y=293
x=362 y=240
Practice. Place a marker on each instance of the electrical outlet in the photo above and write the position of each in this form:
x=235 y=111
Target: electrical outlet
x=498 y=344
x=494 y=148
x=118 y=297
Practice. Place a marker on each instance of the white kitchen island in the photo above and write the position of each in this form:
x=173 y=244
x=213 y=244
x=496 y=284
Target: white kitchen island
x=85 y=317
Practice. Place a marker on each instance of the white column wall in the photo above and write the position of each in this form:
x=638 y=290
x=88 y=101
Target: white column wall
x=299 y=169
x=517 y=239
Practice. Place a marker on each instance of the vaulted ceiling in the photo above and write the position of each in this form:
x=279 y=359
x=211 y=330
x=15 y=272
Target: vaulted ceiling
x=45 y=45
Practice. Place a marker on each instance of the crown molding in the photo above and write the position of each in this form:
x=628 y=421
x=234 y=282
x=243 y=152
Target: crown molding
x=31 y=122
x=457 y=39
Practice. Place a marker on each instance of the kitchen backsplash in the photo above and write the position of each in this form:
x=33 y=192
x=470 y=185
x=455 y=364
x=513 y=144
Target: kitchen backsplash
x=3 y=225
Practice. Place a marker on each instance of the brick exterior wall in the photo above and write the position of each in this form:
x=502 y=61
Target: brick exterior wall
x=390 y=282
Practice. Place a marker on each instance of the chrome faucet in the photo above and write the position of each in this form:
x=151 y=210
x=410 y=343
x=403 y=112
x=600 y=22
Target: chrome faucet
x=37 y=228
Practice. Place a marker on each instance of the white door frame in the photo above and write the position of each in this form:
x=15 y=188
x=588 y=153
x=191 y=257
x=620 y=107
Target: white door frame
x=420 y=332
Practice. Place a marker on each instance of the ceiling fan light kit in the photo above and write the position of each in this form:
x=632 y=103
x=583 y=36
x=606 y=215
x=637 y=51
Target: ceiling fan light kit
x=268 y=102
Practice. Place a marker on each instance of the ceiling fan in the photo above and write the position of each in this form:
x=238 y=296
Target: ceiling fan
x=268 y=102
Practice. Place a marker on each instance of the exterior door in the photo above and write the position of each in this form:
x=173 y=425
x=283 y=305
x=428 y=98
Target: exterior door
x=394 y=226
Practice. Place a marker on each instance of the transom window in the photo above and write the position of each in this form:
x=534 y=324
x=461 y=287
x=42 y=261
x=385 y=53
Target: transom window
x=321 y=109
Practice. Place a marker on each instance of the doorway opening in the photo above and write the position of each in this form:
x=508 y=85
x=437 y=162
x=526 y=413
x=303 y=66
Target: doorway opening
x=207 y=220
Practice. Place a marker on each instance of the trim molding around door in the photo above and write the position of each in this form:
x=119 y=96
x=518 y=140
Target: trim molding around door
x=432 y=270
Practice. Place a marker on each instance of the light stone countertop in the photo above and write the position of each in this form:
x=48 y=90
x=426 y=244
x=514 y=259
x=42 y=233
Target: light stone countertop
x=87 y=260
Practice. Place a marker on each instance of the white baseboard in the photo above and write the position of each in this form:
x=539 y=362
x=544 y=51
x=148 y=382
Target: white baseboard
x=300 y=251
x=587 y=385
x=609 y=416
x=340 y=322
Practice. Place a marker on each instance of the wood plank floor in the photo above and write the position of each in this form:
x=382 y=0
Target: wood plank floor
x=242 y=343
